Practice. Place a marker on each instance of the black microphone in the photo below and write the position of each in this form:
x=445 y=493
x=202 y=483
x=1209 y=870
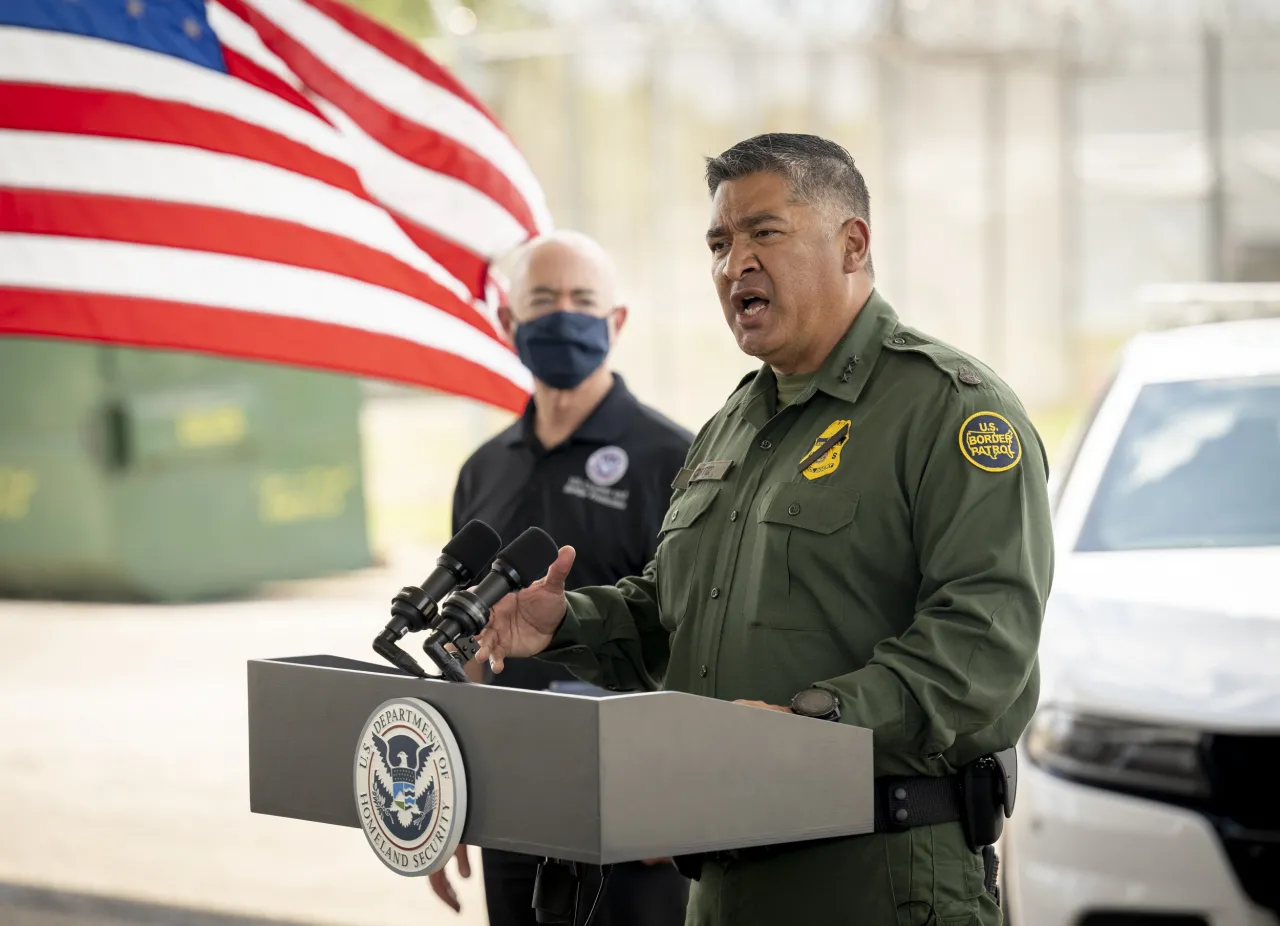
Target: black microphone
x=466 y=612
x=415 y=606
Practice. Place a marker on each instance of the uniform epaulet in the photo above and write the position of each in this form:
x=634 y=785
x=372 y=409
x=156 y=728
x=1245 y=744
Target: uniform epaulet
x=964 y=370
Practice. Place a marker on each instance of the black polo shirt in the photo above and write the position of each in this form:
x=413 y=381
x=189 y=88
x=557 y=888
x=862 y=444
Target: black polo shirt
x=604 y=492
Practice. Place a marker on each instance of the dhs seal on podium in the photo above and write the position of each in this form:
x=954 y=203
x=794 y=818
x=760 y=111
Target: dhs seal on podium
x=410 y=786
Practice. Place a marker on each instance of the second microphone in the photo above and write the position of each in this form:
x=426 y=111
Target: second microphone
x=466 y=612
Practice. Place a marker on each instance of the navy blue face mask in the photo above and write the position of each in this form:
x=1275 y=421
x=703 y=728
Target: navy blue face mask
x=563 y=348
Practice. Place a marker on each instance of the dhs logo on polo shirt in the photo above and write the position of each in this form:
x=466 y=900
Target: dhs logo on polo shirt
x=410 y=786
x=607 y=465
x=605 y=469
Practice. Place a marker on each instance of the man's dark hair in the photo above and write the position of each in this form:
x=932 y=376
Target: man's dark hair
x=819 y=171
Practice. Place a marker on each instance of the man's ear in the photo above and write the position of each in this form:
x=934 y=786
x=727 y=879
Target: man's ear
x=616 y=321
x=508 y=322
x=856 y=235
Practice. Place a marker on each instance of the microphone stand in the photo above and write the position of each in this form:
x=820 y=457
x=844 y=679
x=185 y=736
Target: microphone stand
x=384 y=644
x=450 y=664
x=406 y=614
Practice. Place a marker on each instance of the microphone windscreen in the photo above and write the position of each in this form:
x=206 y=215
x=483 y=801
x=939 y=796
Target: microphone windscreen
x=530 y=554
x=473 y=546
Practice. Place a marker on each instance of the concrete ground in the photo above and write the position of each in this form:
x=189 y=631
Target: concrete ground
x=22 y=905
x=124 y=767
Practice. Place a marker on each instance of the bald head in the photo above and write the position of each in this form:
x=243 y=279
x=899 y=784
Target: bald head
x=563 y=271
x=552 y=280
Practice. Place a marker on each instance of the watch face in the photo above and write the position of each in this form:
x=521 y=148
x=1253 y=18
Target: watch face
x=814 y=702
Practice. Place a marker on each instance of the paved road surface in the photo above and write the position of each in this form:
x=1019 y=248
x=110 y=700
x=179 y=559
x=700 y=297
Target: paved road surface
x=124 y=763
x=21 y=905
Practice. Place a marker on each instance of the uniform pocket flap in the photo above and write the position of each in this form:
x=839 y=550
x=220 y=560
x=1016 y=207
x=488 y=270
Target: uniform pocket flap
x=689 y=506
x=821 y=509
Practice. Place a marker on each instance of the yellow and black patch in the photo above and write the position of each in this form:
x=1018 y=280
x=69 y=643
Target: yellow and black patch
x=989 y=442
x=823 y=458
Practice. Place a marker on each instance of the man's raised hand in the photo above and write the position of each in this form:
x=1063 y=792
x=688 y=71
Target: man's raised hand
x=523 y=623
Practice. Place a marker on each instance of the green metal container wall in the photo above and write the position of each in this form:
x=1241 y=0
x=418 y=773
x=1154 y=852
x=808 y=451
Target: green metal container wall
x=171 y=476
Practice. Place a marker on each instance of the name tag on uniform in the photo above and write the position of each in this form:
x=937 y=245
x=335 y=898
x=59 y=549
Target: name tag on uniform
x=710 y=471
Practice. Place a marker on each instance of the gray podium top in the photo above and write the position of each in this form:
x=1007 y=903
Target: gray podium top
x=596 y=780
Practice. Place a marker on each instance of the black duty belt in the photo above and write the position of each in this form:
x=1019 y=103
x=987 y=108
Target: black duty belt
x=903 y=803
x=900 y=804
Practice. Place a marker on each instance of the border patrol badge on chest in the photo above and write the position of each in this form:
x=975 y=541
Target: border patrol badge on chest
x=410 y=786
x=823 y=457
x=989 y=442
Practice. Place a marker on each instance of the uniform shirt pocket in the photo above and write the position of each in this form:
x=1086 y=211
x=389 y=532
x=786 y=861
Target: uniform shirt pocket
x=801 y=559
x=687 y=507
x=679 y=547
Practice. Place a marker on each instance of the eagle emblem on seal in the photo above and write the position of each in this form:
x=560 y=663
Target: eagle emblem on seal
x=404 y=792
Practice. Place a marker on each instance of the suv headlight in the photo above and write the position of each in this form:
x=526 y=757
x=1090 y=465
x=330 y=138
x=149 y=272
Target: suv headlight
x=1118 y=753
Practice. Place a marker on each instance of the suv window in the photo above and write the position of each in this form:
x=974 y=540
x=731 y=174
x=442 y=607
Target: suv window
x=1197 y=464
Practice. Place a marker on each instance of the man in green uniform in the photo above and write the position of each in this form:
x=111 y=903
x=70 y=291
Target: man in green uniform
x=861 y=533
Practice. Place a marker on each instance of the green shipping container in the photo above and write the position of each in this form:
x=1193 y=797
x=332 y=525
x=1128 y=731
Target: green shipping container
x=167 y=476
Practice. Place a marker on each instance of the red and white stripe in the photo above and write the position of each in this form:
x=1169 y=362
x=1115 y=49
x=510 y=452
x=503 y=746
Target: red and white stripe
x=333 y=202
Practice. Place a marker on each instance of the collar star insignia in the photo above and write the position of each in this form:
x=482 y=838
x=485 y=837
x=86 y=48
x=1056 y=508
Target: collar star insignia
x=848 y=368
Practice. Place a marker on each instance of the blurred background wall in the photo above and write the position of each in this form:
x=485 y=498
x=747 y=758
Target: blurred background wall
x=1032 y=164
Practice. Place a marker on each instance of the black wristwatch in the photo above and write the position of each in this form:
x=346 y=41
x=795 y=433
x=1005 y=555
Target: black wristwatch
x=817 y=703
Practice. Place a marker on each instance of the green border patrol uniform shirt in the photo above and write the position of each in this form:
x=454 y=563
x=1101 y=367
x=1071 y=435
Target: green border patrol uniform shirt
x=886 y=536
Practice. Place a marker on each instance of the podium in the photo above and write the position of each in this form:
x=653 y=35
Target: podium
x=571 y=777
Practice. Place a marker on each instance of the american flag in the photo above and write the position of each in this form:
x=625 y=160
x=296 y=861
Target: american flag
x=279 y=180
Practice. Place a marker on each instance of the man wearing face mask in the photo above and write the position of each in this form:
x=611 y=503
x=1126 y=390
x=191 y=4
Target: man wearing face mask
x=593 y=467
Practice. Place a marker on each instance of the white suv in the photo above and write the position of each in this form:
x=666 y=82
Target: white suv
x=1149 y=792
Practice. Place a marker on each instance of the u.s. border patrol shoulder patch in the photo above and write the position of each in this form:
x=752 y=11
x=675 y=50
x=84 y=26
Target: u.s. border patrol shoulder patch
x=990 y=442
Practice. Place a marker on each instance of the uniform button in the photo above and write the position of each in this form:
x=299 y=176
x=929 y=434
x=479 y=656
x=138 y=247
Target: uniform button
x=900 y=815
x=899 y=340
x=733 y=515
x=715 y=593
x=765 y=445
x=793 y=509
x=900 y=794
x=675 y=512
x=702 y=671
